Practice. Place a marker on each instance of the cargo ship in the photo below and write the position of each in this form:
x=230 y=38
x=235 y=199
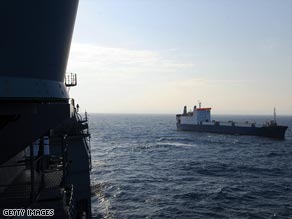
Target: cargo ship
x=199 y=120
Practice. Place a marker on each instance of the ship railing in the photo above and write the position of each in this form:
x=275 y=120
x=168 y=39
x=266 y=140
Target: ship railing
x=89 y=153
x=71 y=80
x=37 y=164
x=80 y=119
x=69 y=201
x=31 y=163
x=65 y=165
x=30 y=187
x=80 y=129
x=86 y=135
x=232 y=123
x=247 y=124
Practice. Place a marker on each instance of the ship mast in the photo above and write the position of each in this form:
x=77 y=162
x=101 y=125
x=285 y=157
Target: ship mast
x=275 y=120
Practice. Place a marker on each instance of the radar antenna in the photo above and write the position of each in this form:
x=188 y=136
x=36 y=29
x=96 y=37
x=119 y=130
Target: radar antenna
x=70 y=80
x=199 y=104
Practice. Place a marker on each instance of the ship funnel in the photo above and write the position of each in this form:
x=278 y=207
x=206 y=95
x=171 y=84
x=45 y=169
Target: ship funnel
x=35 y=41
x=185 y=110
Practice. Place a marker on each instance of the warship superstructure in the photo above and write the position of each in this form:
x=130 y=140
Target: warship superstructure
x=45 y=159
x=199 y=120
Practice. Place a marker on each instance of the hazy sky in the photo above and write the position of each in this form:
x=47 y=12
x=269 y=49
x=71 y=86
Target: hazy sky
x=155 y=56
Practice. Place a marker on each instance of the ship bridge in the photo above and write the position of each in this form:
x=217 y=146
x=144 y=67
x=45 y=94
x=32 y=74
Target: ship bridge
x=197 y=116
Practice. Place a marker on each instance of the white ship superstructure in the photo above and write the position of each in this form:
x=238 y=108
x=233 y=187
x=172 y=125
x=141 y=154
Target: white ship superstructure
x=197 y=116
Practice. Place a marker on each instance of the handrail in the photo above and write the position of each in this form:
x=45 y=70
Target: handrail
x=23 y=164
x=69 y=201
x=15 y=165
x=15 y=184
x=85 y=135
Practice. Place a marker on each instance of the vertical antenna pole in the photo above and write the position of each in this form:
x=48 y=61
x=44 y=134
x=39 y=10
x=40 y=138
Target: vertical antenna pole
x=200 y=104
x=275 y=120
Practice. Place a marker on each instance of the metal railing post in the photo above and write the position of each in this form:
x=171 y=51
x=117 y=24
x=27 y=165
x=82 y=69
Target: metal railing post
x=32 y=195
x=41 y=161
x=64 y=155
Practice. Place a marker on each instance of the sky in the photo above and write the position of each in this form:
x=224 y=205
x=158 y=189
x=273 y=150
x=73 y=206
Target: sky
x=156 y=56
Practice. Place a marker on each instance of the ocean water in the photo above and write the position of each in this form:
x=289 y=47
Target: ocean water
x=144 y=168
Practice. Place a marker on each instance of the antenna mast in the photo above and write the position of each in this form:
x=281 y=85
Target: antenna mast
x=275 y=120
x=199 y=104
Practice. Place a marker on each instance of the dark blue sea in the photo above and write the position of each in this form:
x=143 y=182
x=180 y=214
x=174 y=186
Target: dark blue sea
x=144 y=168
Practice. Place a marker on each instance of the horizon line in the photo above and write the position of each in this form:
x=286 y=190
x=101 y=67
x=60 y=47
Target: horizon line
x=217 y=114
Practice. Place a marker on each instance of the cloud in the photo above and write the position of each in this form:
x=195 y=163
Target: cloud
x=119 y=78
x=122 y=80
x=122 y=63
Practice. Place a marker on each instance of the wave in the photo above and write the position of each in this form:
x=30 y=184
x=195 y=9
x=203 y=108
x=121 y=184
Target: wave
x=176 y=139
x=153 y=171
x=175 y=144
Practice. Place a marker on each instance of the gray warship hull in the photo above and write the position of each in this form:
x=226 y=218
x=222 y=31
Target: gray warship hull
x=45 y=158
